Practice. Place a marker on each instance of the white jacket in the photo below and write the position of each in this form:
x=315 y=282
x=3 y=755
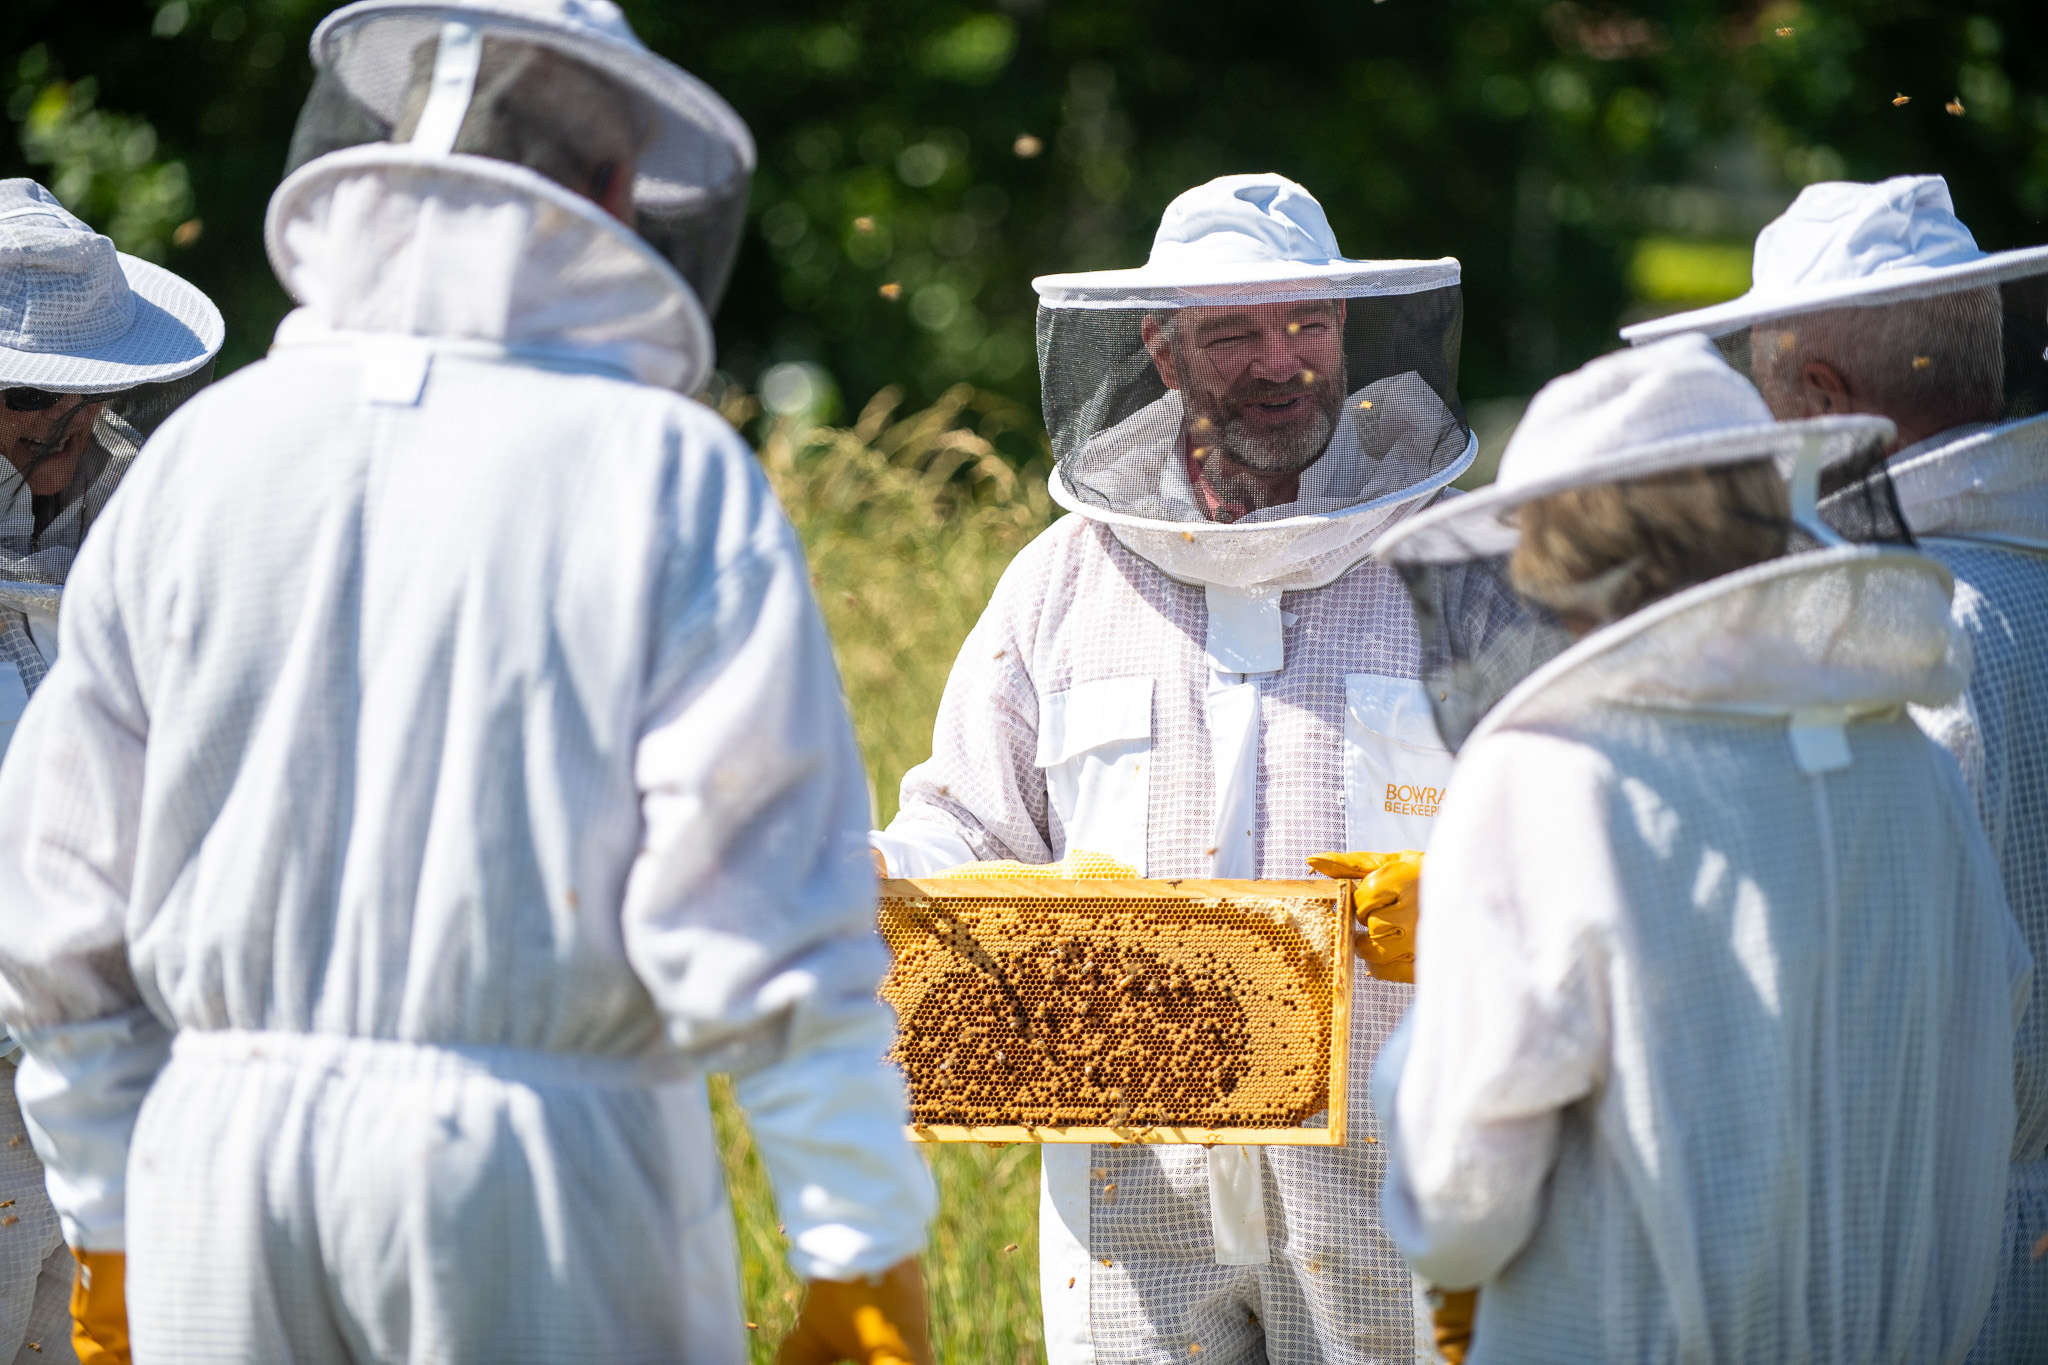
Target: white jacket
x=446 y=681
x=1977 y=499
x=1099 y=704
x=1711 y=1053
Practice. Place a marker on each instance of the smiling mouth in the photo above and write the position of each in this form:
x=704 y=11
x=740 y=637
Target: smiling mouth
x=1278 y=405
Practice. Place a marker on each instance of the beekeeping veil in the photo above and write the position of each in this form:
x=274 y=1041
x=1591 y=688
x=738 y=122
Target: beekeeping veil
x=81 y=324
x=1883 y=286
x=443 y=78
x=1248 y=340
x=1669 y=407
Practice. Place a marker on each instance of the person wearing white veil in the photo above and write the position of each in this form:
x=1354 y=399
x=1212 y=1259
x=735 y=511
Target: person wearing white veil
x=1876 y=298
x=95 y=346
x=445 y=768
x=1198 y=674
x=1711 y=1051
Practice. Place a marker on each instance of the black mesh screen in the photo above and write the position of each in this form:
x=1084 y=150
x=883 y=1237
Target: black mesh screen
x=1381 y=392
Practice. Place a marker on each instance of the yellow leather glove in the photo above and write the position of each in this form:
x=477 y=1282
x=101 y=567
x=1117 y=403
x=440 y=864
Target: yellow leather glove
x=99 y=1307
x=1078 y=865
x=1384 y=904
x=876 y=1321
x=1452 y=1311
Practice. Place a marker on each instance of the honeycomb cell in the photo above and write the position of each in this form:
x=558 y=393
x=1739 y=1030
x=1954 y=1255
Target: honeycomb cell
x=1112 y=1004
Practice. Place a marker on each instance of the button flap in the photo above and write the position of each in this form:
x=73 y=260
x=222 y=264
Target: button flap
x=1090 y=715
x=1244 y=631
x=1820 y=743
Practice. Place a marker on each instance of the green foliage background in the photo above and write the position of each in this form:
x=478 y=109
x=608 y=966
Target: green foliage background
x=1585 y=160
x=1588 y=162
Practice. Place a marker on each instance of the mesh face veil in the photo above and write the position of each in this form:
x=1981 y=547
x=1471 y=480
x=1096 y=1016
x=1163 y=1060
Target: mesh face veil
x=1250 y=409
x=561 y=84
x=1641 y=476
x=1875 y=298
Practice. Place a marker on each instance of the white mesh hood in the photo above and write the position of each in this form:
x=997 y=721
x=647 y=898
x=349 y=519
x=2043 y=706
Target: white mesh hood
x=693 y=174
x=1860 y=629
x=380 y=239
x=1250 y=409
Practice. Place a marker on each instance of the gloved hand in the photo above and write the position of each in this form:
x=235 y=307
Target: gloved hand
x=1452 y=1311
x=875 y=1321
x=1079 y=865
x=1384 y=904
x=99 y=1307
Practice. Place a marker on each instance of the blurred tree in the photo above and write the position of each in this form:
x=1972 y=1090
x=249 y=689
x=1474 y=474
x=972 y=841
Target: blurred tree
x=922 y=160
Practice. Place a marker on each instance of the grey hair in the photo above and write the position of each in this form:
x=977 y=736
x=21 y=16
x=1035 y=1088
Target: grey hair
x=1926 y=363
x=535 y=107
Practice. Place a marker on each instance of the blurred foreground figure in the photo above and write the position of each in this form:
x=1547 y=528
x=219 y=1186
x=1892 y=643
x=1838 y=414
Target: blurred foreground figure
x=1711 y=1052
x=1875 y=298
x=95 y=347
x=446 y=767
x=1200 y=674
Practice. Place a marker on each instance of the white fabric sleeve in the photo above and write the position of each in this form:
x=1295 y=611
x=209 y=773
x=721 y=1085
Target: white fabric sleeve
x=1509 y=1024
x=921 y=847
x=749 y=911
x=854 y=1195
x=72 y=783
x=80 y=1087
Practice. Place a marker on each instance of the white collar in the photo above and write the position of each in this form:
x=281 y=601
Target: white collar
x=1985 y=482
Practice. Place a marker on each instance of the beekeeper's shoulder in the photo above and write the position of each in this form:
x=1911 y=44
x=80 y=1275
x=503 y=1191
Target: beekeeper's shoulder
x=1056 y=559
x=714 y=490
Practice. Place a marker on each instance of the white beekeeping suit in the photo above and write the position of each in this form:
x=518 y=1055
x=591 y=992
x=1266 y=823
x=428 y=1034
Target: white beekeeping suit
x=1711 y=1049
x=1202 y=681
x=1876 y=297
x=446 y=767
x=94 y=347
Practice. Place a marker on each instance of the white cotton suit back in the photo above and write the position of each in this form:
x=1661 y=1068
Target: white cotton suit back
x=1711 y=1053
x=447 y=751
x=1978 y=503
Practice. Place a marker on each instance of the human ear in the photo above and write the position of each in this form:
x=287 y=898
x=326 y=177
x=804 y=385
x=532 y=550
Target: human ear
x=1823 y=389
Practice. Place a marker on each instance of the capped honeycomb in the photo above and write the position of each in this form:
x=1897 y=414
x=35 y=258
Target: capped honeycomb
x=1042 y=1006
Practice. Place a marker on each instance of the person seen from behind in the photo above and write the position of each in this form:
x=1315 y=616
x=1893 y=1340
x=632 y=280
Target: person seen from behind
x=1711 y=1051
x=1876 y=298
x=445 y=769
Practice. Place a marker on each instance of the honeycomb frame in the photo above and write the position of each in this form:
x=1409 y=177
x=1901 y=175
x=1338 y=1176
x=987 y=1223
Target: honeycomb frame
x=966 y=951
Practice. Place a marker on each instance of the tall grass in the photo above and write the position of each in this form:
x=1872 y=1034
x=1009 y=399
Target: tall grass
x=908 y=522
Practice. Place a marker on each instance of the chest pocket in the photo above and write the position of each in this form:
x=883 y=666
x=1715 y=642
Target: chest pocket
x=1095 y=746
x=1395 y=766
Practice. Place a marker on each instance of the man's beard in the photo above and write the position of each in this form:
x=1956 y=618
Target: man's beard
x=1285 y=450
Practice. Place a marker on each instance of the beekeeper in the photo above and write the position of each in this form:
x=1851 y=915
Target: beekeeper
x=1876 y=298
x=1198 y=675
x=445 y=767
x=1710 y=1057
x=94 y=347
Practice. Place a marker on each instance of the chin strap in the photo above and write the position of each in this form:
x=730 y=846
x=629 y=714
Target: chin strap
x=1805 y=490
x=456 y=60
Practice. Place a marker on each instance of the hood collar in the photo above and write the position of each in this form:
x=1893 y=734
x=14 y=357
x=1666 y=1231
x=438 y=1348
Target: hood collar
x=387 y=241
x=1856 y=630
x=1984 y=482
x=1390 y=434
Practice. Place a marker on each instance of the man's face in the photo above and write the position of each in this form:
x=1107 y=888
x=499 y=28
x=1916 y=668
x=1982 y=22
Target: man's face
x=46 y=446
x=1263 y=381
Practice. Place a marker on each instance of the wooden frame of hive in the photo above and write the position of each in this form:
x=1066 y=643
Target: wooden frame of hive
x=1298 y=940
